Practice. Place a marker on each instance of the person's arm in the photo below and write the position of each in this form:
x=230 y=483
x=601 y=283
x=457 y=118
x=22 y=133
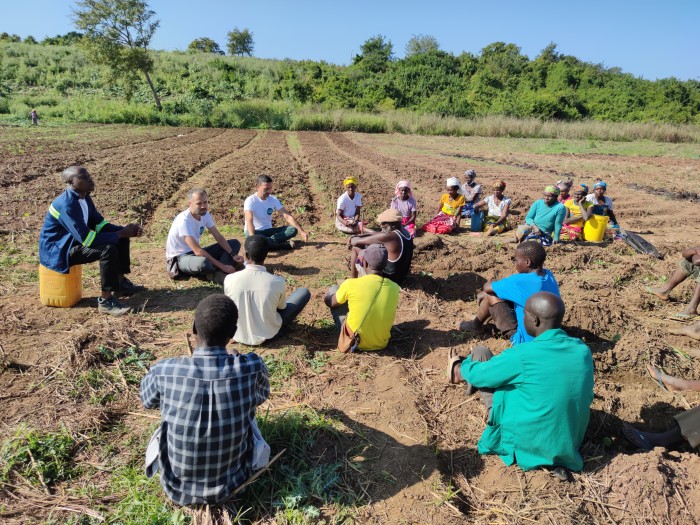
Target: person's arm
x=356 y=218
x=458 y=216
x=504 y=215
x=199 y=252
x=150 y=394
x=221 y=240
x=249 y=222
x=331 y=301
x=558 y=221
x=530 y=217
x=339 y=215
x=362 y=241
x=501 y=370
x=412 y=218
x=293 y=222
x=262 y=384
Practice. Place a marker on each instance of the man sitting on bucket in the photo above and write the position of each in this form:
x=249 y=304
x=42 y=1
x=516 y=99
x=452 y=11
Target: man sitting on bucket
x=208 y=443
x=537 y=394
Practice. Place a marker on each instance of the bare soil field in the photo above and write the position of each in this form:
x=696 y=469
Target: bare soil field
x=403 y=444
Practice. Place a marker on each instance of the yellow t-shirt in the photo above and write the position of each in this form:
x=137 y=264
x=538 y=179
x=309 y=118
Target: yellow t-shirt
x=359 y=294
x=450 y=206
x=575 y=210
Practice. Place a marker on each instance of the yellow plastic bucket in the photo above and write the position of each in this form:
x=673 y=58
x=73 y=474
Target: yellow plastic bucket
x=594 y=228
x=62 y=290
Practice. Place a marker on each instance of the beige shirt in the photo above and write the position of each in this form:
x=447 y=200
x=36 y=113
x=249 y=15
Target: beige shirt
x=258 y=295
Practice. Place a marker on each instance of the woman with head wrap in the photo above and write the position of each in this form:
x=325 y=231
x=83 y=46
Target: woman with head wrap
x=602 y=204
x=347 y=211
x=564 y=187
x=450 y=210
x=544 y=220
x=406 y=205
x=578 y=210
x=472 y=193
x=497 y=207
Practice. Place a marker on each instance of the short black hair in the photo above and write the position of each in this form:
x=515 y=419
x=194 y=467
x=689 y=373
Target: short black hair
x=215 y=319
x=534 y=251
x=264 y=179
x=256 y=247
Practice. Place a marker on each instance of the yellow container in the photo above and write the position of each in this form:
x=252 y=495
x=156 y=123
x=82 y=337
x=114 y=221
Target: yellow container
x=594 y=229
x=60 y=289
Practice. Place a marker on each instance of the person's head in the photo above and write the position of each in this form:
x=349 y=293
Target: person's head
x=471 y=175
x=403 y=190
x=350 y=185
x=375 y=258
x=498 y=187
x=264 y=187
x=551 y=193
x=580 y=192
x=529 y=257
x=198 y=202
x=215 y=320
x=563 y=186
x=453 y=187
x=389 y=220
x=256 y=249
x=599 y=188
x=543 y=311
x=78 y=178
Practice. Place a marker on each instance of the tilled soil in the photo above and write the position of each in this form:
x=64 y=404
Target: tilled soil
x=419 y=432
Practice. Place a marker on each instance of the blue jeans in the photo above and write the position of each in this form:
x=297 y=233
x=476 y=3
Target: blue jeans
x=191 y=264
x=277 y=238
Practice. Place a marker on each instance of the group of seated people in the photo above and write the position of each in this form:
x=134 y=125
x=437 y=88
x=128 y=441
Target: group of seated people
x=537 y=393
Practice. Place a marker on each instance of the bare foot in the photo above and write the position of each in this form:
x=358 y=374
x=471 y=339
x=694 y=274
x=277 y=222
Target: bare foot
x=659 y=292
x=454 y=362
x=474 y=325
x=689 y=311
x=692 y=330
x=671 y=383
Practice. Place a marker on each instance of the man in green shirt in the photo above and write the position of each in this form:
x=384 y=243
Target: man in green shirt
x=539 y=393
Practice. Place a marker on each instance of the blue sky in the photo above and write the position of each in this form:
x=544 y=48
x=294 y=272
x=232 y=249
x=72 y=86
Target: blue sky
x=649 y=39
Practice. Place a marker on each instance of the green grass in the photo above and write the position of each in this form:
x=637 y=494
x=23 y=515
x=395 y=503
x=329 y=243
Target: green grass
x=279 y=369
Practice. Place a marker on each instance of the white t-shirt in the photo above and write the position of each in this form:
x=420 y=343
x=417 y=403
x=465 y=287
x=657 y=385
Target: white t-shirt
x=262 y=210
x=495 y=210
x=608 y=201
x=185 y=225
x=258 y=295
x=84 y=208
x=348 y=205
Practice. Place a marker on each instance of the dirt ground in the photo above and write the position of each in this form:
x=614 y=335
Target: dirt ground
x=422 y=432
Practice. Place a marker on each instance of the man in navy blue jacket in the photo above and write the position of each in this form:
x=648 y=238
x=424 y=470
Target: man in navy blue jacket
x=74 y=232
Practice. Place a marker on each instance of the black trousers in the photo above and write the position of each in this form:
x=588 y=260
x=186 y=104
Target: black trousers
x=114 y=261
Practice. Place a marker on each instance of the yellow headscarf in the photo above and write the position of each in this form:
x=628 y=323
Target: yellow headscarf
x=350 y=180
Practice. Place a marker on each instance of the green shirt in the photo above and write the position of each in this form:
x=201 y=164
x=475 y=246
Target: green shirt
x=542 y=400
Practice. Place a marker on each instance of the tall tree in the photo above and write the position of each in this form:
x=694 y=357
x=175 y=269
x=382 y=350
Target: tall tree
x=117 y=34
x=375 y=54
x=240 y=42
x=205 y=45
x=420 y=44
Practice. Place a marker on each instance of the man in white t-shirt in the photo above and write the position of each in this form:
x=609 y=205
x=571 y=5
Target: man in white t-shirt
x=258 y=210
x=263 y=308
x=183 y=253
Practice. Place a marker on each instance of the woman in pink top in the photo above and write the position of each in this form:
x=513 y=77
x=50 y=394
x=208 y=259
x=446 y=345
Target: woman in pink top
x=406 y=205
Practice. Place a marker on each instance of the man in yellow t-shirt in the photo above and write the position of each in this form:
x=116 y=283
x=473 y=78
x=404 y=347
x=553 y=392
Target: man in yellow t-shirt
x=367 y=303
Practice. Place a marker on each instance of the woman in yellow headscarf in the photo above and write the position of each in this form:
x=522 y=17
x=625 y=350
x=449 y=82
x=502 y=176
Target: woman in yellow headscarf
x=347 y=211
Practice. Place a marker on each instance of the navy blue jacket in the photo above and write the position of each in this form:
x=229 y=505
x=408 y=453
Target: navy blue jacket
x=65 y=226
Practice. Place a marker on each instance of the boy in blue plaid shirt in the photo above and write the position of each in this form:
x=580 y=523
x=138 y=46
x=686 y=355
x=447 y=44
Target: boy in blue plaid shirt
x=204 y=446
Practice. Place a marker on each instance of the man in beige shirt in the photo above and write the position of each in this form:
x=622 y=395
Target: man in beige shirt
x=263 y=308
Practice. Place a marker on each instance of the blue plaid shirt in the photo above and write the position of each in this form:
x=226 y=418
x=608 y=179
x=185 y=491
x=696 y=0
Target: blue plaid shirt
x=207 y=404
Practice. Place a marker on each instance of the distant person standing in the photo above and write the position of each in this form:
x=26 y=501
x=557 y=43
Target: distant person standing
x=258 y=210
x=34 y=116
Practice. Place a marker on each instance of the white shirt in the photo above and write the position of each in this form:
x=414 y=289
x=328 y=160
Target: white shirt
x=495 y=210
x=608 y=201
x=185 y=225
x=262 y=210
x=348 y=205
x=258 y=295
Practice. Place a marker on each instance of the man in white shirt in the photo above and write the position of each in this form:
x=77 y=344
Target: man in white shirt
x=259 y=295
x=258 y=210
x=183 y=253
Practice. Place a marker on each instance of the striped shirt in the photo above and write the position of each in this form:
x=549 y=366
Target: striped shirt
x=207 y=405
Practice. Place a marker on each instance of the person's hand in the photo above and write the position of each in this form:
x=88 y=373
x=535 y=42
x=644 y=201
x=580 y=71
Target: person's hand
x=238 y=261
x=535 y=229
x=128 y=231
x=304 y=235
x=227 y=268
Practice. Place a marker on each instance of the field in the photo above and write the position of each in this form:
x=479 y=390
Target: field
x=372 y=438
